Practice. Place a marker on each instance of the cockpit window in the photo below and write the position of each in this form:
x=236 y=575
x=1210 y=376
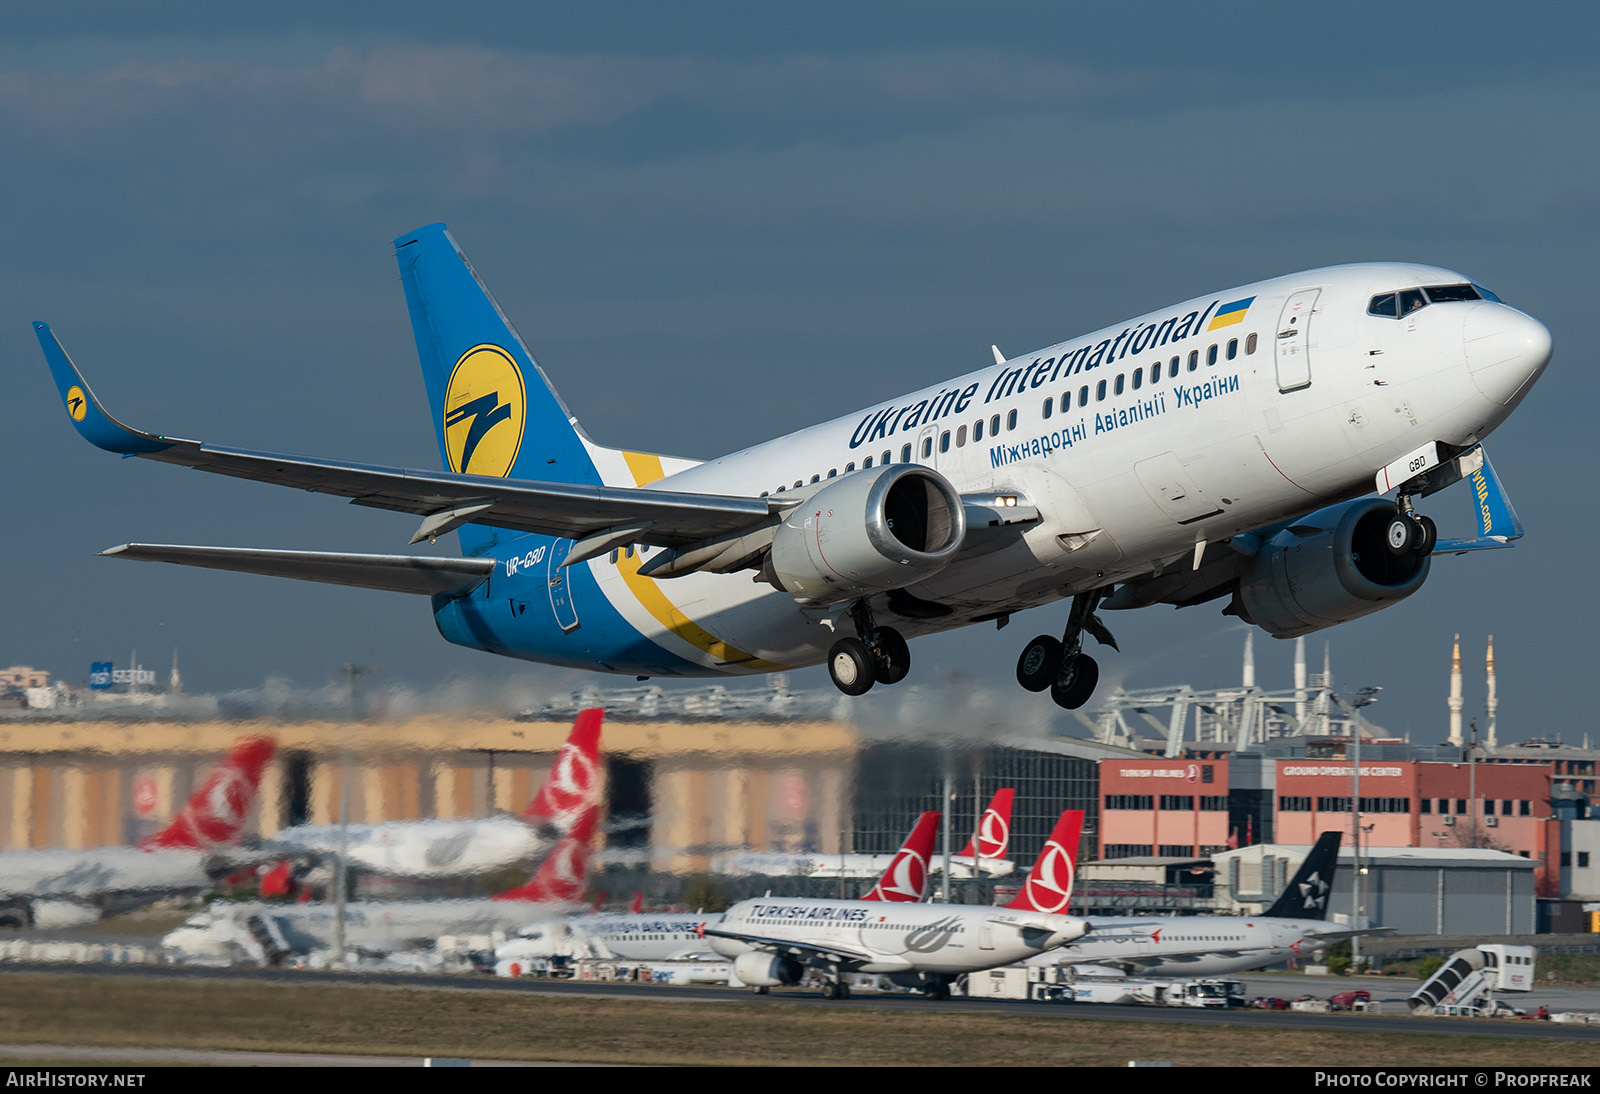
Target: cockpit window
x=1441 y=294
x=1385 y=306
x=1412 y=300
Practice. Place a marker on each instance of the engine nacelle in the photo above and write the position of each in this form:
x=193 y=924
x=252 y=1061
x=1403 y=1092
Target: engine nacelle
x=766 y=970
x=1329 y=567
x=872 y=531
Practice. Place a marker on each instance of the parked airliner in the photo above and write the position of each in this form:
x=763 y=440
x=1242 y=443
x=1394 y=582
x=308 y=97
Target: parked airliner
x=50 y=888
x=465 y=846
x=1222 y=447
x=775 y=940
x=1215 y=945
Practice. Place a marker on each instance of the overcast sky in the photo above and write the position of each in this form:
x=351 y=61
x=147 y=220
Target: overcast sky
x=717 y=223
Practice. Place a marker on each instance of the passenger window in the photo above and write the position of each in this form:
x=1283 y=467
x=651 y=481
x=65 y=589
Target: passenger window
x=1100 y=392
x=944 y=441
x=1011 y=420
x=1066 y=400
x=780 y=490
x=927 y=447
x=1194 y=359
x=1211 y=355
x=1412 y=300
x=849 y=467
x=905 y=454
x=816 y=478
x=961 y=437
x=886 y=458
x=798 y=483
x=1083 y=395
x=833 y=472
x=1138 y=378
x=1385 y=306
x=1155 y=372
x=977 y=431
x=994 y=425
x=630 y=551
x=614 y=554
x=1049 y=407
x=764 y=493
x=1119 y=383
x=866 y=463
x=1249 y=345
x=1233 y=348
x=1172 y=373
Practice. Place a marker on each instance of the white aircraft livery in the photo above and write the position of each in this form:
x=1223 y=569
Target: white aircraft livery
x=463 y=846
x=1222 y=447
x=48 y=888
x=774 y=940
x=1216 y=945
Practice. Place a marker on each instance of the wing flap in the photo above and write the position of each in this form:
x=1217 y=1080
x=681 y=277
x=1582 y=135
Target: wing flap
x=393 y=573
x=803 y=950
x=554 y=509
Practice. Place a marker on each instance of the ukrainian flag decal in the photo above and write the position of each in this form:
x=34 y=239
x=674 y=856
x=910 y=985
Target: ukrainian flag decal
x=1229 y=314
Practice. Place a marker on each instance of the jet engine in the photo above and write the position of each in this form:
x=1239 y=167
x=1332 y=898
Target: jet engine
x=1332 y=566
x=766 y=970
x=868 y=532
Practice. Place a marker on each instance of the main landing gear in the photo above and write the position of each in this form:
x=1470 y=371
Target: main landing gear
x=879 y=656
x=1062 y=666
x=835 y=989
x=1409 y=532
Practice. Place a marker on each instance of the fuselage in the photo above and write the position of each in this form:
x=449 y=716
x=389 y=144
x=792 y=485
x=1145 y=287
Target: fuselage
x=434 y=848
x=1223 y=414
x=896 y=938
x=97 y=879
x=1191 y=945
x=643 y=937
x=781 y=864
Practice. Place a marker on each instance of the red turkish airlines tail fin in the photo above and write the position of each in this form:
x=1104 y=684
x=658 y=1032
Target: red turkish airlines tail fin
x=637 y=907
x=563 y=876
x=574 y=780
x=215 y=813
x=994 y=828
x=906 y=879
x=1049 y=884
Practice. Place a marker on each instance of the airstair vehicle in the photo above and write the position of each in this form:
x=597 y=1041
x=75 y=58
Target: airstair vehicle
x=1466 y=985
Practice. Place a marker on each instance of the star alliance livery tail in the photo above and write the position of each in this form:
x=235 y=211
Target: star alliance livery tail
x=215 y=813
x=906 y=879
x=1306 y=895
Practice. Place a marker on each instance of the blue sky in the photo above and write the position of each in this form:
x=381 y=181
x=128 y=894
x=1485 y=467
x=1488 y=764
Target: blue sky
x=715 y=223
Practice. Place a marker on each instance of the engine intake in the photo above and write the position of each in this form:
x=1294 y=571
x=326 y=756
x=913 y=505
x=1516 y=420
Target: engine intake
x=766 y=970
x=1329 y=567
x=872 y=531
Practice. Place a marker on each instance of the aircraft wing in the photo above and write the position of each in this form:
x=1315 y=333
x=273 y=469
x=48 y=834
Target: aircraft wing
x=394 y=573
x=805 y=951
x=660 y=517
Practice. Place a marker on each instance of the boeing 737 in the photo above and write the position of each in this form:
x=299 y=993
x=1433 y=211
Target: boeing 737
x=1207 y=945
x=988 y=857
x=1222 y=447
x=775 y=940
x=454 y=848
x=383 y=926
x=65 y=888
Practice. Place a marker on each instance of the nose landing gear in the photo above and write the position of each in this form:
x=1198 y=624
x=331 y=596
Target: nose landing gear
x=1062 y=666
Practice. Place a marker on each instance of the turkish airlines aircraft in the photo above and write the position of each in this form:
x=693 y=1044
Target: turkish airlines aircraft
x=65 y=888
x=994 y=837
x=1221 y=447
x=1215 y=945
x=383 y=926
x=773 y=940
x=453 y=848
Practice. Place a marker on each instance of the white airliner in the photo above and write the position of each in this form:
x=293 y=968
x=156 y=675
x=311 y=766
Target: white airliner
x=774 y=940
x=664 y=936
x=454 y=848
x=1205 y=945
x=989 y=857
x=1219 y=447
x=64 y=888
x=384 y=926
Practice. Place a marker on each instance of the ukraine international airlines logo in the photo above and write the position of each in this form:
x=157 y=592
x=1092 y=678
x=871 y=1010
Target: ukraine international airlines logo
x=77 y=405
x=485 y=410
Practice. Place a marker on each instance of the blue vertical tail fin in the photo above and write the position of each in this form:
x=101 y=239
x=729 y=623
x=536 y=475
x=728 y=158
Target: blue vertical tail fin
x=494 y=412
x=1498 y=525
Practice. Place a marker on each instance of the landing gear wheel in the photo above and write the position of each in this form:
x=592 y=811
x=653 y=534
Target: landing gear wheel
x=1402 y=534
x=760 y=991
x=850 y=666
x=1429 y=536
x=844 y=990
x=894 y=661
x=1079 y=685
x=1040 y=663
x=830 y=990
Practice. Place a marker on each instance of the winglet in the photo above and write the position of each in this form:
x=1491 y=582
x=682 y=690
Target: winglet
x=84 y=410
x=1498 y=525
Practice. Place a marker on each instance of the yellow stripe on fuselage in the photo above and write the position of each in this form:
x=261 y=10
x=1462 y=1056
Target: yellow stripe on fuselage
x=1229 y=319
x=646 y=468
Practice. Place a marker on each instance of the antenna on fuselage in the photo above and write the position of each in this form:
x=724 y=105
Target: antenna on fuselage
x=999 y=358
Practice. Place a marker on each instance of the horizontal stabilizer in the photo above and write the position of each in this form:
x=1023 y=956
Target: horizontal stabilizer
x=392 y=573
x=1498 y=525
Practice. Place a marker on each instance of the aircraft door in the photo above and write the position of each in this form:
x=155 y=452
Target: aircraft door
x=560 y=590
x=1292 y=347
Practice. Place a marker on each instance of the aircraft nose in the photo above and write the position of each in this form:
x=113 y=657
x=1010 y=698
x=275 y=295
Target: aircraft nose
x=1505 y=349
